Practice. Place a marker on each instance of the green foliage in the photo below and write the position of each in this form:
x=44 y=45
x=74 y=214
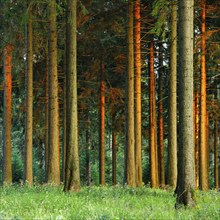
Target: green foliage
x=48 y=202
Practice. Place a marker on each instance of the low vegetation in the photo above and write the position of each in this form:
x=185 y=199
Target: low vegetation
x=47 y=202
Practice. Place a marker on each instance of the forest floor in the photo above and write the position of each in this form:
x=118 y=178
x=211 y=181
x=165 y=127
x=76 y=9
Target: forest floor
x=47 y=202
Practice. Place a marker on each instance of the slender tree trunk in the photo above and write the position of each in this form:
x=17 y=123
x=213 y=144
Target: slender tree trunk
x=102 y=127
x=114 y=153
x=216 y=142
x=7 y=154
x=72 y=174
x=28 y=178
x=88 y=148
x=172 y=134
x=54 y=147
x=130 y=144
x=137 y=54
x=186 y=162
x=196 y=130
x=46 y=118
x=204 y=177
x=161 y=124
x=152 y=118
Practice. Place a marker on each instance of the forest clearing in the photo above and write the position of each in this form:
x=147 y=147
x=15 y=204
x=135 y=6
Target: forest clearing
x=102 y=203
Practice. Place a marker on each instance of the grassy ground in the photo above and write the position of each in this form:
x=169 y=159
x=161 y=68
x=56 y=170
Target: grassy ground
x=102 y=203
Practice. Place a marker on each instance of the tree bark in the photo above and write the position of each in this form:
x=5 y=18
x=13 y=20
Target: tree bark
x=204 y=176
x=114 y=153
x=152 y=119
x=216 y=143
x=102 y=127
x=7 y=154
x=54 y=147
x=28 y=178
x=161 y=124
x=72 y=174
x=172 y=134
x=88 y=148
x=130 y=145
x=196 y=130
x=186 y=160
x=137 y=54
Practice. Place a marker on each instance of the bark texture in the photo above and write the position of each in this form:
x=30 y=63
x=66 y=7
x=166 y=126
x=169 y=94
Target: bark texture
x=172 y=134
x=28 y=178
x=72 y=174
x=186 y=163
x=137 y=55
x=54 y=147
x=204 y=177
x=7 y=154
x=130 y=145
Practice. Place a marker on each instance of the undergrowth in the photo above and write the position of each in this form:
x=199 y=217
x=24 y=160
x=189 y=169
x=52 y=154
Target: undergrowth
x=101 y=203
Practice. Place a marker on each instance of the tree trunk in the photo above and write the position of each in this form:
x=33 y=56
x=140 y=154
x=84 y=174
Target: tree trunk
x=152 y=119
x=196 y=130
x=72 y=174
x=88 y=147
x=161 y=124
x=114 y=150
x=46 y=118
x=172 y=134
x=137 y=54
x=7 y=155
x=130 y=145
x=216 y=170
x=28 y=178
x=54 y=147
x=204 y=177
x=186 y=163
x=102 y=127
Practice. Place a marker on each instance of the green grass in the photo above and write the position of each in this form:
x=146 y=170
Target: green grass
x=47 y=202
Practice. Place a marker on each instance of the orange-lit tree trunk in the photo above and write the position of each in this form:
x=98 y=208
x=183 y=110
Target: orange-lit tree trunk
x=102 y=127
x=54 y=147
x=152 y=119
x=196 y=131
x=204 y=176
x=130 y=143
x=161 y=124
x=172 y=124
x=137 y=56
x=7 y=154
x=28 y=177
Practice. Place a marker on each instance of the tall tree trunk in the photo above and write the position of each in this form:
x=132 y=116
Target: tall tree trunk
x=172 y=134
x=216 y=135
x=114 y=153
x=46 y=118
x=161 y=124
x=130 y=145
x=186 y=162
x=88 y=148
x=204 y=177
x=7 y=154
x=152 y=119
x=137 y=54
x=196 y=131
x=54 y=147
x=28 y=178
x=102 y=127
x=72 y=174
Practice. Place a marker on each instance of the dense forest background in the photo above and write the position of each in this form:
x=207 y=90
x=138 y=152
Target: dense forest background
x=102 y=33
